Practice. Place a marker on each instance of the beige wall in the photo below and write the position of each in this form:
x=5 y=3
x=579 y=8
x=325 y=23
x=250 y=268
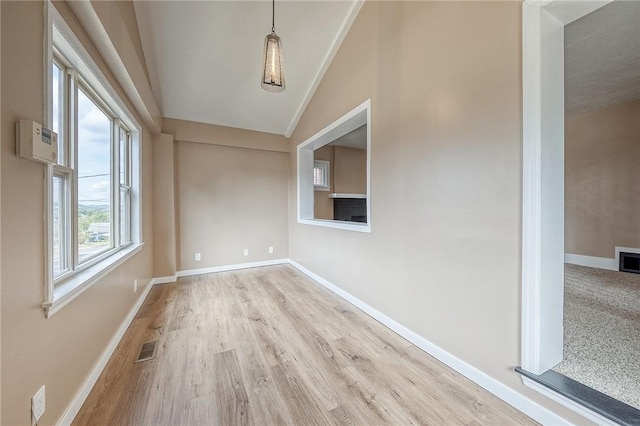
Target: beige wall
x=210 y=134
x=164 y=218
x=229 y=198
x=322 y=204
x=602 y=180
x=61 y=351
x=443 y=257
x=350 y=170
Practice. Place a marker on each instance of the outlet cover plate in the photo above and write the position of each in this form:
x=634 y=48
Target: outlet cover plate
x=38 y=404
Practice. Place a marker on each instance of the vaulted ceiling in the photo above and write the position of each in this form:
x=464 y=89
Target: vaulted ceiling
x=204 y=57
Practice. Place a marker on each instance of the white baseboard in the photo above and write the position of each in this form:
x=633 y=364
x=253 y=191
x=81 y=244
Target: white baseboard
x=164 y=280
x=76 y=403
x=600 y=262
x=223 y=268
x=507 y=394
x=592 y=261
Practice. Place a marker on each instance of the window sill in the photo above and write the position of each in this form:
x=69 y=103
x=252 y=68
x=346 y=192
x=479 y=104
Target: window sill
x=76 y=285
x=338 y=224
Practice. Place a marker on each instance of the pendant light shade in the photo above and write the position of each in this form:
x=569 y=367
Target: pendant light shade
x=272 y=61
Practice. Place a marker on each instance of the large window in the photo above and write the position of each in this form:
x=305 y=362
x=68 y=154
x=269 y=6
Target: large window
x=91 y=184
x=94 y=190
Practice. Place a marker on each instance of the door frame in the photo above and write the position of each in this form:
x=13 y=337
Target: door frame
x=543 y=25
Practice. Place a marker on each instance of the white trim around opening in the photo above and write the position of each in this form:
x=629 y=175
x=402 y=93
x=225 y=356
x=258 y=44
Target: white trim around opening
x=357 y=117
x=543 y=254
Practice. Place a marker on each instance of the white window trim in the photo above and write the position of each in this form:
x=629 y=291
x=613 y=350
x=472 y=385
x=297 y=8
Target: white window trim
x=326 y=171
x=84 y=278
x=355 y=118
x=60 y=294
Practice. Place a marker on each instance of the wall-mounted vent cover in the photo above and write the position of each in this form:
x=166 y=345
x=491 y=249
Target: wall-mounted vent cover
x=147 y=352
x=630 y=262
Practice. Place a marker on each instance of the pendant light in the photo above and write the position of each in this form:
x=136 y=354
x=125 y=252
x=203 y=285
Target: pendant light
x=272 y=63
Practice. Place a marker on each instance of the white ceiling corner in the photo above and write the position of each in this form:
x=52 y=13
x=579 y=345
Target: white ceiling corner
x=204 y=57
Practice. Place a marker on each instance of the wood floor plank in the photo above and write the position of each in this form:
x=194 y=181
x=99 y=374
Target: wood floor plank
x=267 y=332
x=268 y=346
x=231 y=396
x=168 y=386
x=256 y=374
x=297 y=397
x=340 y=416
x=262 y=391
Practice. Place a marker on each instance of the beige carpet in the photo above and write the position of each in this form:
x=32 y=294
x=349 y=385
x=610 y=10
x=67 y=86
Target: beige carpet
x=602 y=331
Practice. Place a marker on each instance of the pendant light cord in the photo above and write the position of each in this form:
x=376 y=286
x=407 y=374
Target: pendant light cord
x=273 y=16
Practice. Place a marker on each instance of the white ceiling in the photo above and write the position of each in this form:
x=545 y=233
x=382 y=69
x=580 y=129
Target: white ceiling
x=204 y=57
x=602 y=58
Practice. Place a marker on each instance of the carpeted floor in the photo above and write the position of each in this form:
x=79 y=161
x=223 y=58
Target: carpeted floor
x=602 y=331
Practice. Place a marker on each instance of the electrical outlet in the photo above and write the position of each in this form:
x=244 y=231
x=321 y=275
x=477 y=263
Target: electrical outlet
x=246 y=252
x=198 y=257
x=37 y=404
x=135 y=285
x=271 y=250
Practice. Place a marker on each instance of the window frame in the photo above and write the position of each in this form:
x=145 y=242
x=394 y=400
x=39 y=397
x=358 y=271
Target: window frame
x=126 y=185
x=81 y=72
x=62 y=170
x=114 y=244
x=65 y=234
x=326 y=170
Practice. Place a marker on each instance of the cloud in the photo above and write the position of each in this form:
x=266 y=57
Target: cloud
x=94 y=191
x=94 y=138
x=101 y=186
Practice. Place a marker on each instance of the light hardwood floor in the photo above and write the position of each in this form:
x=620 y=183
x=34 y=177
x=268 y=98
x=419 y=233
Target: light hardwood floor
x=269 y=346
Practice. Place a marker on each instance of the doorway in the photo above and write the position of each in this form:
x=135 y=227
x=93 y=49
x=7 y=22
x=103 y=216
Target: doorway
x=602 y=206
x=543 y=192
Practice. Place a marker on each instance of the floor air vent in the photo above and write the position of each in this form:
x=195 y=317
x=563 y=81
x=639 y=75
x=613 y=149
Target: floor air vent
x=630 y=262
x=147 y=352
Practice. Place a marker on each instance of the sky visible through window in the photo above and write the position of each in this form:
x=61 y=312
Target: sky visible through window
x=94 y=182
